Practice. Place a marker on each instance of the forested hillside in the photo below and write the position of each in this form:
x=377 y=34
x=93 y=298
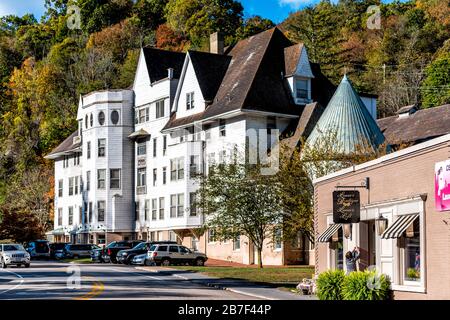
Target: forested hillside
x=45 y=66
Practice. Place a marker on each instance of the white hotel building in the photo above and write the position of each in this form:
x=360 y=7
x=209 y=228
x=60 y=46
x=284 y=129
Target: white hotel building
x=126 y=172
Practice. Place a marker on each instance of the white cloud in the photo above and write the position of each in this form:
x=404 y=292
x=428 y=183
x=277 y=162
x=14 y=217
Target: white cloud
x=295 y=4
x=5 y=9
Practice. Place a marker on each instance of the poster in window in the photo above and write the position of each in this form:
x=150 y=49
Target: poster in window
x=441 y=185
x=346 y=206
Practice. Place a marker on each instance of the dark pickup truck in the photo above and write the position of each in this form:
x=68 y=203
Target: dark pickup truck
x=108 y=254
x=126 y=256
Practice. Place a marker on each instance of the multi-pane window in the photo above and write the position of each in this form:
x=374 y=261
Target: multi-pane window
x=194 y=166
x=101 y=147
x=136 y=211
x=80 y=215
x=142 y=149
x=155 y=145
x=193 y=204
x=222 y=156
x=60 y=216
x=159 y=109
x=114 y=178
x=190 y=100
x=66 y=162
x=70 y=216
x=409 y=245
x=88 y=180
x=164 y=175
x=101 y=211
x=76 y=159
x=88 y=151
x=76 y=185
x=164 y=145
x=154 y=209
x=141 y=177
x=143 y=115
x=222 y=128
x=71 y=180
x=101 y=179
x=237 y=243
x=161 y=208
x=155 y=177
x=60 y=188
x=277 y=239
x=173 y=206
x=211 y=235
x=177 y=169
x=180 y=205
x=146 y=209
x=302 y=89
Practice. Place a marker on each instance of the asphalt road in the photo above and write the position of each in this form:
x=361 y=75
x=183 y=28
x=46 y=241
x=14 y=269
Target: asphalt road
x=54 y=280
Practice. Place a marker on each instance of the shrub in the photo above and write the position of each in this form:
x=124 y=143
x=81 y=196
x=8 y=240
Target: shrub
x=366 y=285
x=329 y=285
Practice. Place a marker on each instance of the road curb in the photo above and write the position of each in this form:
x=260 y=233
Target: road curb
x=211 y=285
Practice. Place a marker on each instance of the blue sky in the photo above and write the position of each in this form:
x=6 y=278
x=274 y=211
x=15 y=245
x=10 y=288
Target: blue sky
x=277 y=10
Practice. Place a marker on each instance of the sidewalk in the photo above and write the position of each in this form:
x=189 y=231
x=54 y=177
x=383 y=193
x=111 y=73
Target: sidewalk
x=256 y=290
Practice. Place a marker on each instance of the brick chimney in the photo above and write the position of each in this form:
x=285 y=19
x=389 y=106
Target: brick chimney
x=216 y=43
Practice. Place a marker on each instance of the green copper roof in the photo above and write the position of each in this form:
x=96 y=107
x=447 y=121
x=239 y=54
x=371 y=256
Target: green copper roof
x=347 y=118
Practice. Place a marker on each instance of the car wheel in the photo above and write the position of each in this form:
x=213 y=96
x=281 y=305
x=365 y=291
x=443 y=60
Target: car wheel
x=199 y=262
x=147 y=263
x=4 y=266
x=128 y=261
x=165 y=262
x=27 y=265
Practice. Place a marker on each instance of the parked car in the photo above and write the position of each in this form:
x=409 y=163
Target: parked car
x=56 y=246
x=109 y=254
x=141 y=260
x=76 y=251
x=38 y=249
x=14 y=254
x=126 y=256
x=166 y=255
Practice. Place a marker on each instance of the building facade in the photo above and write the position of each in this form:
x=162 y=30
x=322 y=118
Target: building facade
x=404 y=213
x=185 y=112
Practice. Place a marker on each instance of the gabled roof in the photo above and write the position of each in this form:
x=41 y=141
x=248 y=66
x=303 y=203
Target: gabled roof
x=348 y=118
x=66 y=147
x=209 y=69
x=159 y=61
x=419 y=126
x=292 y=56
x=253 y=80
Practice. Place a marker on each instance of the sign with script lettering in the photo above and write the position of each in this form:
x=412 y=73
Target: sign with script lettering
x=346 y=206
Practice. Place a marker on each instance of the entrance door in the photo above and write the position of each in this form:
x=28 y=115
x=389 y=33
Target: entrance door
x=367 y=246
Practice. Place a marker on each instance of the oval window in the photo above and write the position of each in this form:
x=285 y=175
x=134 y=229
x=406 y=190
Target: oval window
x=101 y=118
x=86 y=121
x=92 y=120
x=115 y=117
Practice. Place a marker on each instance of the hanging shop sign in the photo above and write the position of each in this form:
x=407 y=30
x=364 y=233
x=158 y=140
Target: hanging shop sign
x=346 y=206
x=442 y=185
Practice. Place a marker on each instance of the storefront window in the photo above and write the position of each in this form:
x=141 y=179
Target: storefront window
x=411 y=252
x=338 y=246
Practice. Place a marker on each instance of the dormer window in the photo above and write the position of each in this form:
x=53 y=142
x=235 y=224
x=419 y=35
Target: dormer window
x=302 y=89
x=190 y=101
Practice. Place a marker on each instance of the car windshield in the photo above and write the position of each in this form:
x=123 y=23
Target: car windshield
x=112 y=245
x=140 y=246
x=13 y=247
x=152 y=248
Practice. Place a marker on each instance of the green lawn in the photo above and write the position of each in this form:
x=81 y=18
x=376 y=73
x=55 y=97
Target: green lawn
x=280 y=276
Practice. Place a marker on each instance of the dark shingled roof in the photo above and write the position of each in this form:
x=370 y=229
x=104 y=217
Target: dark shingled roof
x=253 y=79
x=210 y=69
x=291 y=57
x=417 y=127
x=159 y=61
x=65 y=146
x=181 y=122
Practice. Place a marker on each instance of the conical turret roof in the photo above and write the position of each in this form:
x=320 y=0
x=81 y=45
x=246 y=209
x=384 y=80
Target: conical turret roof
x=347 y=119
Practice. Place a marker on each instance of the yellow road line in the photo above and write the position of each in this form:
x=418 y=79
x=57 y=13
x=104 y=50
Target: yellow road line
x=97 y=289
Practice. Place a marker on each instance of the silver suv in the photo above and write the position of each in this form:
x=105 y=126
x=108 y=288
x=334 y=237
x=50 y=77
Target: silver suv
x=14 y=254
x=167 y=254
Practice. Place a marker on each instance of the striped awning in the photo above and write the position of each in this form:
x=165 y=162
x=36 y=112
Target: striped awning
x=326 y=236
x=399 y=226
